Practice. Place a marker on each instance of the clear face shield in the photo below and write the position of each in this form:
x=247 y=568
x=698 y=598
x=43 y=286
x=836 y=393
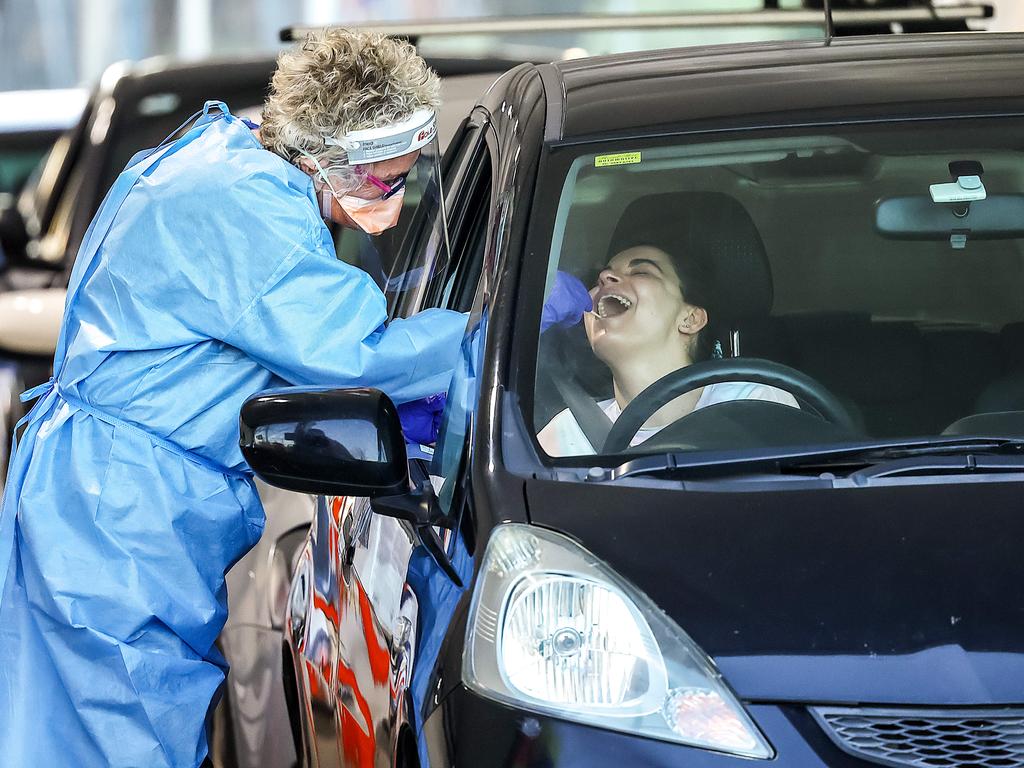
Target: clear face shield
x=388 y=199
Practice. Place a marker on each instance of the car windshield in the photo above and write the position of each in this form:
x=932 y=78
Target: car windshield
x=820 y=286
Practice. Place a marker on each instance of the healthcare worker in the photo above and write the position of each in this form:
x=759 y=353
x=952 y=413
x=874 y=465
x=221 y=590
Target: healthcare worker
x=207 y=276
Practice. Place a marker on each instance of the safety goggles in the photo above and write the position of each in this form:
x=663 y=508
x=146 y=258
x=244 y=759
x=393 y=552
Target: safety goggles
x=389 y=190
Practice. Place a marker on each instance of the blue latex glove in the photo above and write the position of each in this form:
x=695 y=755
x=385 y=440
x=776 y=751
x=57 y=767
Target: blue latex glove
x=568 y=301
x=421 y=419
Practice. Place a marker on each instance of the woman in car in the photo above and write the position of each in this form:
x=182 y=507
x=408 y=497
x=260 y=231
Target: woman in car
x=650 y=317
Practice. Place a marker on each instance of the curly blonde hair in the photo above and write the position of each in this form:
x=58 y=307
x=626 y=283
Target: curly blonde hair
x=341 y=80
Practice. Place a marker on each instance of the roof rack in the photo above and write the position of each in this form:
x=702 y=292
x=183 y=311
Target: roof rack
x=848 y=18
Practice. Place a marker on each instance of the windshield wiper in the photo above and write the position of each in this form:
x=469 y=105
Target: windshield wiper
x=970 y=456
x=939 y=455
x=963 y=448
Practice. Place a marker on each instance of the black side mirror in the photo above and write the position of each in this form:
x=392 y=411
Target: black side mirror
x=340 y=442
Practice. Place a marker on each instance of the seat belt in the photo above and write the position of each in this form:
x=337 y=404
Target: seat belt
x=593 y=421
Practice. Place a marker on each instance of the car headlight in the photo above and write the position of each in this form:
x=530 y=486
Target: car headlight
x=554 y=630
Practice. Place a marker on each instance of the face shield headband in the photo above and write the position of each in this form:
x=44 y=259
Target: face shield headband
x=374 y=145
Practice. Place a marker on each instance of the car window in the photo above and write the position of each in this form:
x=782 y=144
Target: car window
x=17 y=164
x=882 y=263
x=457 y=289
x=415 y=240
x=39 y=197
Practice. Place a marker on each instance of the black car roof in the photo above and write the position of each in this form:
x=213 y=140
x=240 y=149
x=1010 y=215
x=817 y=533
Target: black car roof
x=784 y=83
x=161 y=74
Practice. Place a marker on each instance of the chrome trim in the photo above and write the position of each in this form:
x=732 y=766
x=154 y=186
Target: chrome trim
x=770 y=17
x=874 y=748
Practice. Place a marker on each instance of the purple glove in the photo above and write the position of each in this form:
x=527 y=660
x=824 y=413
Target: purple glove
x=568 y=301
x=421 y=419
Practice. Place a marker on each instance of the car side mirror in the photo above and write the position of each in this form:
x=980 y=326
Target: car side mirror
x=338 y=442
x=341 y=442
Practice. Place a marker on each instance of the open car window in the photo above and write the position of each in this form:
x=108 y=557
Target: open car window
x=877 y=270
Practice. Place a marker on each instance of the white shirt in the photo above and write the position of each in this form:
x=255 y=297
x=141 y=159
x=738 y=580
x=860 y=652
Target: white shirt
x=563 y=437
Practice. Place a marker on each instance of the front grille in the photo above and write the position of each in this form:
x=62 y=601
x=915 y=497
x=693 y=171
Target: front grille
x=928 y=738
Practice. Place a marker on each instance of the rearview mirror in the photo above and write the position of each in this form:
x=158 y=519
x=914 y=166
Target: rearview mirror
x=918 y=217
x=340 y=442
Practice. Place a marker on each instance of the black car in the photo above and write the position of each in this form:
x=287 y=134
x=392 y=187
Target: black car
x=810 y=553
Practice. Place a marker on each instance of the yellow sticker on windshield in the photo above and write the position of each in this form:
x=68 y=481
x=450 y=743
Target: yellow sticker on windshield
x=622 y=158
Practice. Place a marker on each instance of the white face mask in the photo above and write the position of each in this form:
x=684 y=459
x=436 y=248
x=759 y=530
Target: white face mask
x=371 y=216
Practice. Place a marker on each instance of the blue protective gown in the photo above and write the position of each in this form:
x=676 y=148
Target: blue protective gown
x=207 y=276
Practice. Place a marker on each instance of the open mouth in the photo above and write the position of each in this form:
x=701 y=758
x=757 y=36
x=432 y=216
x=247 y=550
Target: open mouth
x=612 y=305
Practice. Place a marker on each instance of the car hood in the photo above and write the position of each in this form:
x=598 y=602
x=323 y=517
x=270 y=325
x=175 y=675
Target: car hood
x=901 y=594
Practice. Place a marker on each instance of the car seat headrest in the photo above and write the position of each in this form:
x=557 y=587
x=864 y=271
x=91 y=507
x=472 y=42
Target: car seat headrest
x=713 y=228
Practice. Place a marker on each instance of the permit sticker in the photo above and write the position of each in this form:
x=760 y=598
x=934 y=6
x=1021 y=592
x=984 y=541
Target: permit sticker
x=622 y=158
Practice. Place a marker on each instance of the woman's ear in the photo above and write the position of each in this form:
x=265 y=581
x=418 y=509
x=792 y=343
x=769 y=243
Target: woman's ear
x=693 y=320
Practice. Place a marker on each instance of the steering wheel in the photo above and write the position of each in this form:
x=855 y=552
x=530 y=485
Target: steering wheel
x=808 y=391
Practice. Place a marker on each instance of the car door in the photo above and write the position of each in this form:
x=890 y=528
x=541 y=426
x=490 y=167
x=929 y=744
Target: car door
x=353 y=618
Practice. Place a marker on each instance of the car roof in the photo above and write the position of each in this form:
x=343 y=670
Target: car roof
x=166 y=70
x=134 y=80
x=783 y=83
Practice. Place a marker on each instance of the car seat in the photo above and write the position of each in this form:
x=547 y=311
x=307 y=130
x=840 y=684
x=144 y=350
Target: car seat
x=1006 y=393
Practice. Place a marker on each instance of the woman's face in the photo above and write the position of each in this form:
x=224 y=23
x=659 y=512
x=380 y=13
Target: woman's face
x=639 y=309
x=388 y=171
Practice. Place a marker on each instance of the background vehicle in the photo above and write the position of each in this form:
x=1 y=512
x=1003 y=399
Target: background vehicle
x=135 y=106
x=831 y=585
x=571 y=29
